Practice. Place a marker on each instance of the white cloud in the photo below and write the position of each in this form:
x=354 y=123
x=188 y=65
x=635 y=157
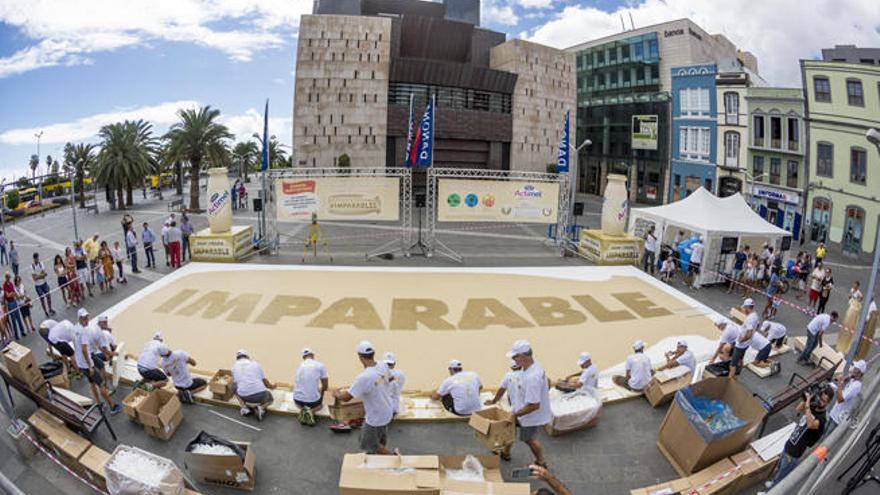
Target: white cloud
x=493 y=11
x=251 y=121
x=534 y=4
x=779 y=32
x=65 y=32
x=86 y=128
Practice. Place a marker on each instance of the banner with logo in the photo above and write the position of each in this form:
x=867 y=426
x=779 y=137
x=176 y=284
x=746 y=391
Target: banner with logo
x=644 y=132
x=468 y=200
x=339 y=198
x=420 y=149
x=563 y=157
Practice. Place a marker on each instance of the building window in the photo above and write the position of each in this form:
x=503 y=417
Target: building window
x=612 y=55
x=794 y=139
x=694 y=143
x=624 y=52
x=758 y=168
x=601 y=55
x=639 y=50
x=825 y=160
x=858 y=165
x=694 y=101
x=854 y=94
x=822 y=88
x=758 y=131
x=707 y=183
x=652 y=49
x=775 y=170
x=791 y=179
x=731 y=149
x=731 y=108
x=776 y=133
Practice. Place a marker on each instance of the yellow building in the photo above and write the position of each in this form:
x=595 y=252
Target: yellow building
x=843 y=193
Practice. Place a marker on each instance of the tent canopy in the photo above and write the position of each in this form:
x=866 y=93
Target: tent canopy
x=702 y=211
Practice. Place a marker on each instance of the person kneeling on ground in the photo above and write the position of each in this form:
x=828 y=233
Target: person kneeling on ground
x=761 y=344
x=775 y=332
x=149 y=359
x=309 y=385
x=638 y=370
x=587 y=377
x=681 y=356
x=729 y=332
x=809 y=429
x=250 y=385
x=370 y=386
x=176 y=364
x=543 y=474
x=460 y=392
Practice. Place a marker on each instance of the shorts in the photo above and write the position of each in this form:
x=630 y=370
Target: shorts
x=25 y=310
x=737 y=356
x=310 y=405
x=527 y=433
x=372 y=437
x=82 y=274
x=152 y=375
x=64 y=348
x=62 y=281
x=778 y=342
x=98 y=360
x=764 y=353
x=814 y=295
x=694 y=268
x=196 y=384
x=449 y=404
x=257 y=398
x=42 y=290
x=94 y=378
x=736 y=273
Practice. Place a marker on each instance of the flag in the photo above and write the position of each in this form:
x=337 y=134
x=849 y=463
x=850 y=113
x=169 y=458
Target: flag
x=421 y=153
x=265 y=161
x=409 y=132
x=563 y=157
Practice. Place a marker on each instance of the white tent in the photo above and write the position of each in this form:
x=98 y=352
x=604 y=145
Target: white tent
x=717 y=220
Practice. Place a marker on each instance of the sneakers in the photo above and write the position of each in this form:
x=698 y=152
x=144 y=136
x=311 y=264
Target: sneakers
x=768 y=484
x=261 y=411
x=305 y=417
x=245 y=411
x=116 y=409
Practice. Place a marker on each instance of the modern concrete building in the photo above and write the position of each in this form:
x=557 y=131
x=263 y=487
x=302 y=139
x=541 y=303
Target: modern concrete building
x=851 y=54
x=500 y=104
x=776 y=146
x=629 y=74
x=843 y=195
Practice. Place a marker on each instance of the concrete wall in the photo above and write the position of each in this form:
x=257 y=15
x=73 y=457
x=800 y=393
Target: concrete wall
x=341 y=91
x=545 y=91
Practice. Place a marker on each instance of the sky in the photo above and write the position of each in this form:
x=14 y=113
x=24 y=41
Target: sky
x=67 y=67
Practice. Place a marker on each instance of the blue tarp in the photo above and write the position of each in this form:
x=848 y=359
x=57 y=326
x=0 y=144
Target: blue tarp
x=711 y=418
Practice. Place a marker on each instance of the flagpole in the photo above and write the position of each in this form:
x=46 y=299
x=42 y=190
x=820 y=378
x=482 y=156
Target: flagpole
x=433 y=128
x=409 y=130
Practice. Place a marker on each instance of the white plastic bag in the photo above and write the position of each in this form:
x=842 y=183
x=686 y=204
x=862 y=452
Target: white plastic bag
x=132 y=471
x=574 y=410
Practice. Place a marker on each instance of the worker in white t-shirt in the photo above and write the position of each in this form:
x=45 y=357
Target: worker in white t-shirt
x=729 y=331
x=762 y=344
x=531 y=403
x=250 y=384
x=638 y=370
x=775 y=332
x=681 y=356
x=84 y=347
x=371 y=387
x=846 y=389
x=149 y=360
x=310 y=382
x=460 y=392
x=744 y=337
x=104 y=346
x=696 y=262
x=509 y=384
x=177 y=366
x=59 y=336
x=587 y=377
x=396 y=380
x=815 y=331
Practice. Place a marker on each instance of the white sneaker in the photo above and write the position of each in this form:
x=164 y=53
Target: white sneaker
x=260 y=412
x=768 y=484
x=244 y=411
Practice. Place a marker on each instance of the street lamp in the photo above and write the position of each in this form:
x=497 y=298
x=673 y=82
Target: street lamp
x=750 y=181
x=873 y=137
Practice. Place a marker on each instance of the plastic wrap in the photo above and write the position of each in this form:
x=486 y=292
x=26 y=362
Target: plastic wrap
x=713 y=419
x=204 y=439
x=132 y=471
x=471 y=470
x=574 y=410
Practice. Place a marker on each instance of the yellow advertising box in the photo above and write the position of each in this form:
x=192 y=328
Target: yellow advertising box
x=604 y=249
x=223 y=247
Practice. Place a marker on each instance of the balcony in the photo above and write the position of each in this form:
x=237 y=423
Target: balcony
x=774 y=179
x=776 y=144
x=758 y=142
x=794 y=146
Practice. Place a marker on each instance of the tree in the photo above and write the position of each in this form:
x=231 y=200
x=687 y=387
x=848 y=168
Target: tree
x=245 y=154
x=127 y=154
x=277 y=155
x=48 y=162
x=23 y=183
x=55 y=168
x=34 y=163
x=344 y=161
x=12 y=199
x=79 y=158
x=198 y=138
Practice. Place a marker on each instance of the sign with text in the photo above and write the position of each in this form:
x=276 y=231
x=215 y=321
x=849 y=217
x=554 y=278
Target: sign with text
x=339 y=198
x=469 y=200
x=644 y=132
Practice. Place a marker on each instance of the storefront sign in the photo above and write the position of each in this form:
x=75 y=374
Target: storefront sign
x=644 y=132
x=466 y=200
x=776 y=195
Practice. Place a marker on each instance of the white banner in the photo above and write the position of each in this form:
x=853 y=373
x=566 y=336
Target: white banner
x=469 y=200
x=339 y=198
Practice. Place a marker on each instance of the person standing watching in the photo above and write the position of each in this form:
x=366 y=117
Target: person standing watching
x=696 y=262
x=251 y=385
x=309 y=385
x=460 y=392
x=815 y=330
x=650 y=261
x=83 y=274
x=13 y=258
x=3 y=258
x=370 y=387
x=175 y=237
x=825 y=288
x=10 y=298
x=186 y=230
x=148 y=238
x=740 y=257
x=846 y=389
x=41 y=285
x=131 y=243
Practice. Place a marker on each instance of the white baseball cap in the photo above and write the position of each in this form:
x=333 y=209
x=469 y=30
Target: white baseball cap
x=307 y=352
x=158 y=336
x=683 y=343
x=103 y=318
x=163 y=350
x=583 y=358
x=364 y=347
x=241 y=353
x=638 y=345
x=519 y=347
x=47 y=324
x=748 y=303
x=82 y=313
x=389 y=358
x=861 y=366
x=454 y=364
x=720 y=320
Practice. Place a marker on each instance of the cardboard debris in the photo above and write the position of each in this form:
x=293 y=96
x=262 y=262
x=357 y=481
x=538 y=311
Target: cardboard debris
x=220 y=385
x=492 y=429
x=230 y=471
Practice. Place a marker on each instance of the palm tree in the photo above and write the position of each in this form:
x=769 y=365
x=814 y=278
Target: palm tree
x=80 y=158
x=34 y=163
x=195 y=139
x=277 y=155
x=245 y=154
x=127 y=155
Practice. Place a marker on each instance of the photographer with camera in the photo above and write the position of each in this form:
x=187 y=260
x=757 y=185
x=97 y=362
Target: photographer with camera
x=809 y=429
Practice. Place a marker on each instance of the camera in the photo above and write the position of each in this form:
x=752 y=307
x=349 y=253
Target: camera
x=815 y=390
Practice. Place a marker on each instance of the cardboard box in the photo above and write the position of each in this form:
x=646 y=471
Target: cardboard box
x=43 y=423
x=492 y=429
x=66 y=445
x=230 y=471
x=61 y=380
x=93 y=462
x=659 y=392
x=166 y=431
x=20 y=362
x=683 y=446
x=220 y=385
x=132 y=401
x=158 y=409
x=752 y=469
x=172 y=481
x=494 y=483
x=344 y=411
x=718 y=479
x=680 y=486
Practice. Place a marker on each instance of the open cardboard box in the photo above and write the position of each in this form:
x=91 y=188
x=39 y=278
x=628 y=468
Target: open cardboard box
x=166 y=431
x=131 y=402
x=662 y=388
x=230 y=471
x=158 y=409
x=494 y=483
x=344 y=411
x=492 y=429
x=220 y=385
x=685 y=448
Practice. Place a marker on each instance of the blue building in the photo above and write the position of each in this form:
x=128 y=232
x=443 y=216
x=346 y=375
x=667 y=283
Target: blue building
x=694 y=141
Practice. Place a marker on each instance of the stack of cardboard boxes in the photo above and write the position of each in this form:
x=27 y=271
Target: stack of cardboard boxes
x=728 y=476
x=159 y=411
x=20 y=363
